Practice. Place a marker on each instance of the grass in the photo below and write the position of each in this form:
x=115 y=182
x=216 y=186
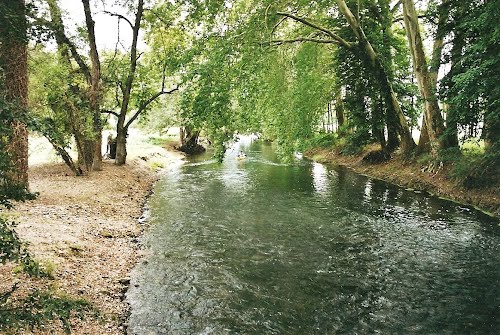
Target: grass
x=473 y=145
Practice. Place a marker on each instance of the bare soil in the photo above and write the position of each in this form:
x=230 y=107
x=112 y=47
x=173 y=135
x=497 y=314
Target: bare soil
x=85 y=230
x=412 y=175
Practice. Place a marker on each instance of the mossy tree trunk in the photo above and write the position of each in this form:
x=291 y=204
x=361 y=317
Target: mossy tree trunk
x=14 y=88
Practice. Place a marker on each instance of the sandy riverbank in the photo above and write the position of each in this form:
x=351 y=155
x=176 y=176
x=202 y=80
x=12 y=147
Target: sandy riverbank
x=84 y=230
x=415 y=177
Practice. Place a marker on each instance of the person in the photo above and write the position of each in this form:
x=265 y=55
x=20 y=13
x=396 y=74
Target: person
x=241 y=154
x=110 y=142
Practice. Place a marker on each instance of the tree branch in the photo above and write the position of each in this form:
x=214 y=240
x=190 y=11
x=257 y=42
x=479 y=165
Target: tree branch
x=57 y=29
x=422 y=16
x=300 y=39
x=119 y=16
x=109 y=112
x=146 y=103
x=393 y=9
x=283 y=19
x=333 y=36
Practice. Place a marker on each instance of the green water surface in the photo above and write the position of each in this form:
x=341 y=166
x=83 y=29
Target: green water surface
x=258 y=247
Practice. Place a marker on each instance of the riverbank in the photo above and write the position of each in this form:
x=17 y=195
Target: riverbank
x=83 y=231
x=414 y=176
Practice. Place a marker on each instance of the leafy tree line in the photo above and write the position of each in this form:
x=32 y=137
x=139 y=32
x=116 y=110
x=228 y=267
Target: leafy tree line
x=273 y=67
x=368 y=58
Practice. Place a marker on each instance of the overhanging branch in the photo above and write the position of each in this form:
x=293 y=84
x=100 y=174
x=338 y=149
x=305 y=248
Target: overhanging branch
x=146 y=103
x=300 y=39
x=339 y=40
x=119 y=16
x=109 y=112
x=61 y=38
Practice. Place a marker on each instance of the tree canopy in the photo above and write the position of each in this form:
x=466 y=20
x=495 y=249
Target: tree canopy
x=372 y=71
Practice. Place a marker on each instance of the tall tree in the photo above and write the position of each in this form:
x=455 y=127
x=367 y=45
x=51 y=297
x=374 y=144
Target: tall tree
x=86 y=120
x=14 y=82
x=470 y=88
x=134 y=99
x=434 y=123
x=95 y=92
x=362 y=48
x=121 y=127
x=385 y=81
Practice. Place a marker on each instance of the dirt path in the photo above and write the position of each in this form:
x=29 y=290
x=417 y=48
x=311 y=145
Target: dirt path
x=85 y=231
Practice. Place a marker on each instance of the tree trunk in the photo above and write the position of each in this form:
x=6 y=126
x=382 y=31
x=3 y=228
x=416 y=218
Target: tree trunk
x=85 y=143
x=121 y=130
x=95 y=88
x=121 y=143
x=425 y=80
x=14 y=63
x=424 y=145
x=97 y=159
x=393 y=105
x=86 y=156
x=339 y=110
x=189 y=141
x=65 y=156
x=393 y=141
x=451 y=133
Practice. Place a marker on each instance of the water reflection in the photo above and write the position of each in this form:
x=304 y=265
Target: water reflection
x=320 y=178
x=265 y=248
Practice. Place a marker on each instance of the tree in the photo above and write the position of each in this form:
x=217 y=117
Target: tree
x=86 y=120
x=14 y=84
x=95 y=87
x=130 y=94
x=13 y=106
x=385 y=82
x=57 y=99
x=470 y=88
x=434 y=123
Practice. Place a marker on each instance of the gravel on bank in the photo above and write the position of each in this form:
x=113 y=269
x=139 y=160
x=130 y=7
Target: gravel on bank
x=85 y=230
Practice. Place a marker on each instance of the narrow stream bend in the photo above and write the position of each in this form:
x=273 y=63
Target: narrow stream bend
x=258 y=247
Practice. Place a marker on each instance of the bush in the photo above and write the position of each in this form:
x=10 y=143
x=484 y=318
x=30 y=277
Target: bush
x=39 y=308
x=10 y=246
x=476 y=169
x=323 y=140
x=12 y=250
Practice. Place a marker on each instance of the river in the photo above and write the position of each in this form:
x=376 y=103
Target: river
x=254 y=246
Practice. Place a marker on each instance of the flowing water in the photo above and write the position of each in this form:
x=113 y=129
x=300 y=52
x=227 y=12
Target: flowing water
x=257 y=247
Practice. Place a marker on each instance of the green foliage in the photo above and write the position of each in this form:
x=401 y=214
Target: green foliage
x=9 y=191
x=12 y=250
x=13 y=22
x=10 y=245
x=471 y=86
x=161 y=118
x=59 y=107
x=476 y=169
x=356 y=141
x=323 y=140
x=41 y=308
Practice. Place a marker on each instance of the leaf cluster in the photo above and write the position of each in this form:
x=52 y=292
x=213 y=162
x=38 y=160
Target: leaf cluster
x=40 y=308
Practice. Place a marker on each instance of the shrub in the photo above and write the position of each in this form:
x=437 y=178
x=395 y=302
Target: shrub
x=39 y=308
x=323 y=140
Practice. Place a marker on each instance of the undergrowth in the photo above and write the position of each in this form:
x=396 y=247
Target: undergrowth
x=323 y=140
x=478 y=169
x=40 y=308
x=12 y=250
x=470 y=166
